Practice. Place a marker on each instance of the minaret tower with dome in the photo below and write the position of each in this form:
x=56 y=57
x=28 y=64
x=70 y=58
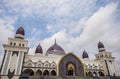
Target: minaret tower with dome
x=14 y=55
x=106 y=59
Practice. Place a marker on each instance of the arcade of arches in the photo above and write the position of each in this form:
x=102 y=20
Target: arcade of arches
x=69 y=65
x=30 y=72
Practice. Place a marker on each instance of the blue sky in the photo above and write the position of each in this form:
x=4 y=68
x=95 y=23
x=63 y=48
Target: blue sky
x=76 y=24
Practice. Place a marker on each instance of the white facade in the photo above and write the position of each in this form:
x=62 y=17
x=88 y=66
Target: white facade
x=17 y=63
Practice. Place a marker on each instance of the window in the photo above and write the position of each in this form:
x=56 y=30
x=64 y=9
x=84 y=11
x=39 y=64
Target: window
x=29 y=64
x=11 y=43
x=106 y=56
x=101 y=55
x=14 y=44
x=98 y=57
x=46 y=65
x=23 y=45
x=20 y=44
x=39 y=65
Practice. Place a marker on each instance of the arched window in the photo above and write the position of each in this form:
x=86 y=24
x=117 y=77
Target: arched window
x=101 y=55
x=29 y=64
x=101 y=73
x=20 y=44
x=39 y=65
x=14 y=44
x=53 y=73
x=46 y=73
x=95 y=74
x=90 y=73
x=53 y=64
x=11 y=43
x=97 y=56
x=38 y=73
x=27 y=72
x=23 y=45
x=106 y=56
x=46 y=64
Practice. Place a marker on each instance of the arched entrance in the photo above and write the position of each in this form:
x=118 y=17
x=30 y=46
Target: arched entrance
x=90 y=73
x=38 y=73
x=70 y=64
x=46 y=73
x=53 y=73
x=70 y=69
x=101 y=73
x=95 y=74
x=27 y=72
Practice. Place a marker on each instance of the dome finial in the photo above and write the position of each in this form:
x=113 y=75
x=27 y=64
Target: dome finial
x=101 y=46
x=20 y=33
x=85 y=54
x=55 y=41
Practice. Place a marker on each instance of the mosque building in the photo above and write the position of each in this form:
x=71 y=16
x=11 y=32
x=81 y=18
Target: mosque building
x=18 y=64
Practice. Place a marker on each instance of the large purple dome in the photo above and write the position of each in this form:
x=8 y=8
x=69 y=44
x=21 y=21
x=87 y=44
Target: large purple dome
x=20 y=30
x=85 y=54
x=55 y=49
x=100 y=45
x=39 y=49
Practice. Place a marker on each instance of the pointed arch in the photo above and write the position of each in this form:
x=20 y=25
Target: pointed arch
x=46 y=64
x=27 y=72
x=90 y=74
x=39 y=64
x=101 y=73
x=73 y=59
x=38 y=73
x=95 y=74
x=53 y=73
x=46 y=73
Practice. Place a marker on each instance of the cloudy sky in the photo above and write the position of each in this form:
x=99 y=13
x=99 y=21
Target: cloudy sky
x=76 y=24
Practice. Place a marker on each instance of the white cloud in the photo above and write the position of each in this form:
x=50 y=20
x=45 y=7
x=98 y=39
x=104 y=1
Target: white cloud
x=50 y=8
x=97 y=27
x=6 y=28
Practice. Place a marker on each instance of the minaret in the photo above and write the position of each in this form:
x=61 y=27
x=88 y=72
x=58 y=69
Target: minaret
x=106 y=59
x=14 y=55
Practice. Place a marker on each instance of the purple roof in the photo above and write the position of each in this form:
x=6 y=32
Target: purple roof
x=85 y=54
x=39 y=49
x=55 y=49
x=20 y=30
x=100 y=45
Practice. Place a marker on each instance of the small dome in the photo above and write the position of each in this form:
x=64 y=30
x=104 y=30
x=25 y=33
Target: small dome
x=20 y=30
x=39 y=49
x=100 y=45
x=85 y=55
x=55 y=49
